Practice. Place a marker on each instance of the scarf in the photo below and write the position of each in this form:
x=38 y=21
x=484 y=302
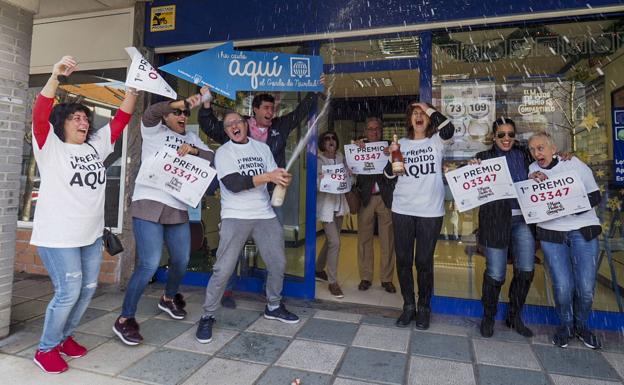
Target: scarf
x=257 y=133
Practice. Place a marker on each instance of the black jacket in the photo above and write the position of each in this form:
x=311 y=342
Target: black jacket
x=278 y=132
x=495 y=217
x=364 y=188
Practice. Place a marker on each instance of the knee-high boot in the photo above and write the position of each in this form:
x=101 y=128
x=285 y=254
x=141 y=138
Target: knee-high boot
x=489 y=299
x=518 y=291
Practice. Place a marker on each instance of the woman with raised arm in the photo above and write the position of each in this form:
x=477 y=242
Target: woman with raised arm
x=69 y=218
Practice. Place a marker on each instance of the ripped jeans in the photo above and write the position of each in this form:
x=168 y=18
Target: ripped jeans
x=74 y=273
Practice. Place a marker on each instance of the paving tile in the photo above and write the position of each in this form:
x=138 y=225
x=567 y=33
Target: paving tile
x=19 y=340
x=16 y=370
x=347 y=381
x=108 y=301
x=238 y=319
x=495 y=375
x=426 y=371
x=616 y=360
x=112 y=357
x=219 y=371
x=575 y=362
x=254 y=347
x=248 y=305
x=501 y=332
x=456 y=326
x=277 y=375
x=27 y=310
x=15 y=300
x=158 y=332
x=187 y=341
x=35 y=291
x=148 y=307
x=165 y=366
x=328 y=331
x=373 y=365
x=267 y=326
x=21 y=284
x=566 y=380
x=91 y=314
x=441 y=346
x=301 y=311
x=311 y=356
x=510 y=354
x=378 y=320
x=383 y=338
x=338 y=316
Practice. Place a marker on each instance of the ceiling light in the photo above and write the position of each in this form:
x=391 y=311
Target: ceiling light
x=387 y=82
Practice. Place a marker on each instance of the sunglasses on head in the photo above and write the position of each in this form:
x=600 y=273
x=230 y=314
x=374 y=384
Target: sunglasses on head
x=178 y=112
x=501 y=135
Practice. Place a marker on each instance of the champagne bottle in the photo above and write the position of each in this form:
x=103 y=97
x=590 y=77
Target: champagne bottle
x=398 y=166
x=279 y=193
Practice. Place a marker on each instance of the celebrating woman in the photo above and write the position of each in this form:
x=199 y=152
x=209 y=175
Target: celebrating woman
x=418 y=206
x=69 y=218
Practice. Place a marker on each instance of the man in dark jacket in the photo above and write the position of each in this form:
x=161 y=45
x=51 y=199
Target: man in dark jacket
x=375 y=194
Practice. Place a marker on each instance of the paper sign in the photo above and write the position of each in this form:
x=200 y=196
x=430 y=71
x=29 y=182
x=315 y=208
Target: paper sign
x=559 y=195
x=368 y=160
x=478 y=184
x=143 y=76
x=335 y=179
x=186 y=178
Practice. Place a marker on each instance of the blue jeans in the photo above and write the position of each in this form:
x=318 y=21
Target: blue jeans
x=522 y=249
x=74 y=273
x=572 y=266
x=149 y=237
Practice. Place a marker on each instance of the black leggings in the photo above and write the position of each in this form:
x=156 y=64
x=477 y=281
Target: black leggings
x=424 y=231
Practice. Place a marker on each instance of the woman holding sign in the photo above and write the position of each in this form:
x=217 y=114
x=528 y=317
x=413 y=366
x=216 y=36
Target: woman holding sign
x=570 y=245
x=418 y=206
x=501 y=225
x=158 y=217
x=331 y=207
x=69 y=218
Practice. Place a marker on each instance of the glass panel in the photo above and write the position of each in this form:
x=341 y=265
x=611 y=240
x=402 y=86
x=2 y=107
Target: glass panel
x=552 y=77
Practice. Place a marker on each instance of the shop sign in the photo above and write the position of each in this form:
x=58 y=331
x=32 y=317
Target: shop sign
x=536 y=101
x=226 y=71
x=162 y=18
x=618 y=144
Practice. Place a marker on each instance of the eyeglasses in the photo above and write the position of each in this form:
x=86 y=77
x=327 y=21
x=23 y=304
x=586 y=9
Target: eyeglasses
x=232 y=123
x=178 y=112
x=501 y=135
x=78 y=118
x=329 y=137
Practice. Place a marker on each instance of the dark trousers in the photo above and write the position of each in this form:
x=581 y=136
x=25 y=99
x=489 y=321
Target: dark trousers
x=424 y=231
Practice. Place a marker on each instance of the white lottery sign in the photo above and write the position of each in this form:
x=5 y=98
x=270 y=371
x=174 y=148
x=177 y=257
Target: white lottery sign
x=477 y=184
x=143 y=76
x=368 y=160
x=559 y=195
x=186 y=178
x=335 y=179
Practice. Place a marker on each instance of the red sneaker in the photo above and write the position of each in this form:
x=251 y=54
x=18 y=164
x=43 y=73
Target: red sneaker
x=51 y=361
x=71 y=348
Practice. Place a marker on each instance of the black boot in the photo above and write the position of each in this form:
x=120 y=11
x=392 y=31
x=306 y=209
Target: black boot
x=489 y=299
x=518 y=291
x=408 y=315
x=423 y=316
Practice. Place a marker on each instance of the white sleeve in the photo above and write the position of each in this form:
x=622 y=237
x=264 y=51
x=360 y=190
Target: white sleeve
x=225 y=162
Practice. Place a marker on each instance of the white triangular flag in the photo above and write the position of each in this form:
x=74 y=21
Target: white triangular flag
x=143 y=76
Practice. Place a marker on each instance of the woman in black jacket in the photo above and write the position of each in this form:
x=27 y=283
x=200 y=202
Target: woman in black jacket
x=501 y=225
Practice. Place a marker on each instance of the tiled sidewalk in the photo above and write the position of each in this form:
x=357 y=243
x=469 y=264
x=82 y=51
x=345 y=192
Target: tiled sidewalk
x=326 y=347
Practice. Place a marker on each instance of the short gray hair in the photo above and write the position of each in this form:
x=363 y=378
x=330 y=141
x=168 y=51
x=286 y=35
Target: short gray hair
x=374 y=119
x=544 y=135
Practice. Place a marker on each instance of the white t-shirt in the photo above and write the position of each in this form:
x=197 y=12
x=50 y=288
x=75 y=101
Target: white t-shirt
x=420 y=192
x=251 y=158
x=70 y=208
x=155 y=139
x=574 y=221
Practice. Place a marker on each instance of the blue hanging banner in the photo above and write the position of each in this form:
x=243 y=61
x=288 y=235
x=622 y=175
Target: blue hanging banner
x=618 y=144
x=226 y=70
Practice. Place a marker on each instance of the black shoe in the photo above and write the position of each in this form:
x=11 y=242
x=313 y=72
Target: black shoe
x=364 y=285
x=228 y=301
x=487 y=327
x=423 y=317
x=128 y=332
x=517 y=324
x=171 y=307
x=590 y=340
x=389 y=287
x=562 y=336
x=203 y=335
x=178 y=299
x=406 y=318
x=321 y=276
x=281 y=314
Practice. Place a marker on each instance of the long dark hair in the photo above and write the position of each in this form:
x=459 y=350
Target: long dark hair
x=62 y=111
x=429 y=131
x=501 y=122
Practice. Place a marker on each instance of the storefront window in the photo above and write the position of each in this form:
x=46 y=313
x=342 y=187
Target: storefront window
x=552 y=77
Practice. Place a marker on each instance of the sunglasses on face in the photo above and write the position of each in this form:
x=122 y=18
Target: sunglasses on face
x=178 y=112
x=329 y=137
x=501 y=135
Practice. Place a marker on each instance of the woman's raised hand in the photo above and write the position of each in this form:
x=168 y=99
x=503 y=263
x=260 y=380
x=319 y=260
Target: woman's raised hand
x=65 y=66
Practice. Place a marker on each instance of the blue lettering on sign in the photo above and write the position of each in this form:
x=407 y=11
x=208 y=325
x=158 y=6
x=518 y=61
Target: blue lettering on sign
x=226 y=71
x=618 y=145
